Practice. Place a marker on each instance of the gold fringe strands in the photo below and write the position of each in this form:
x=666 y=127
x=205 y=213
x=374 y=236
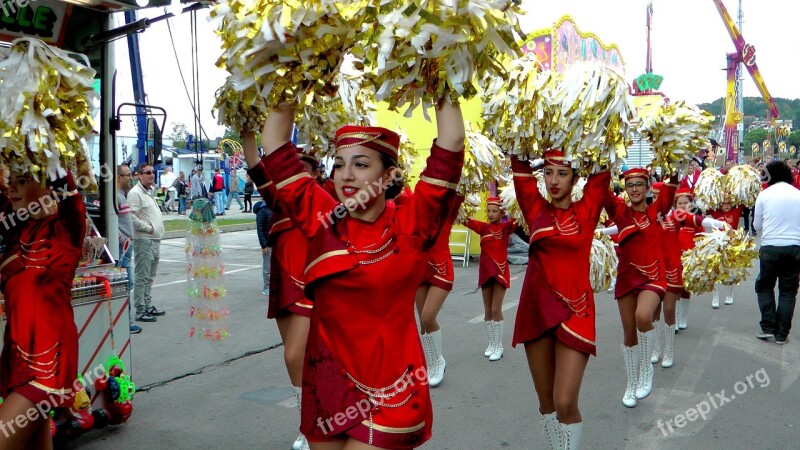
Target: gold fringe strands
x=286 y=48
x=47 y=100
x=586 y=112
x=709 y=192
x=603 y=267
x=483 y=162
x=509 y=197
x=721 y=256
x=676 y=132
x=407 y=155
x=417 y=52
x=743 y=185
x=240 y=110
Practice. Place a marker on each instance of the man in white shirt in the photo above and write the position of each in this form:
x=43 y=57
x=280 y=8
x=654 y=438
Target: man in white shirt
x=777 y=220
x=148 y=229
x=168 y=183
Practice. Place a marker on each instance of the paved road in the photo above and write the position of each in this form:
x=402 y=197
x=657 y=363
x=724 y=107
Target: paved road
x=237 y=395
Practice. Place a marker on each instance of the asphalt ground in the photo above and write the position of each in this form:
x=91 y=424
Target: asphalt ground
x=236 y=394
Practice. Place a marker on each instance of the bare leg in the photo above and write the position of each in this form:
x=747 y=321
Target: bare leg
x=30 y=436
x=294 y=334
x=419 y=300
x=646 y=304
x=541 y=355
x=657 y=314
x=335 y=445
x=432 y=305
x=486 y=293
x=627 y=314
x=498 y=293
x=670 y=303
x=352 y=444
x=570 y=366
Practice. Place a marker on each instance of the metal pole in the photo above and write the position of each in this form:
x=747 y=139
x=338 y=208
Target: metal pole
x=739 y=89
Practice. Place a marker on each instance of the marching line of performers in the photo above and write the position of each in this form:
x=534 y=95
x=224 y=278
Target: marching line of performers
x=345 y=279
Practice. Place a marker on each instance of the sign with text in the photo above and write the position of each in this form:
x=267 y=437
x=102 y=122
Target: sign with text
x=41 y=19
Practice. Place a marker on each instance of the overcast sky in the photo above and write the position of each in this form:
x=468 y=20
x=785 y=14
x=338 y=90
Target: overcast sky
x=689 y=45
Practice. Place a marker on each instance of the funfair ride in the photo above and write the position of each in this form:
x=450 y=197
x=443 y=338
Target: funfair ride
x=745 y=54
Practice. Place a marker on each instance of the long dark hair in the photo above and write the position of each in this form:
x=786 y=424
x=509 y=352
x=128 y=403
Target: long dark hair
x=395 y=187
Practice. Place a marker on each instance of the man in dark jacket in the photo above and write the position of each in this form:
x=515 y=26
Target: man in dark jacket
x=263 y=224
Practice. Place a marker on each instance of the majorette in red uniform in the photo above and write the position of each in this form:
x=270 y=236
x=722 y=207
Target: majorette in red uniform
x=730 y=215
x=641 y=278
x=494 y=274
x=432 y=293
x=287 y=264
x=40 y=345
x=364 y=373
x=556 y=313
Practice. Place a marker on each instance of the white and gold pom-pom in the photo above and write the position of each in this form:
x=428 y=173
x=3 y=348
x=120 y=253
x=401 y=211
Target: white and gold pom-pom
x=240 y=110
x=419 y=52
x=508 y=195
x=676 y=133
x=742 y=185
x=483 y=162
x=709 y=192
x=586 y=112
x=47 y=101
x=407 y=156
x=469 y=208
x=603 y=267
x=721 y=256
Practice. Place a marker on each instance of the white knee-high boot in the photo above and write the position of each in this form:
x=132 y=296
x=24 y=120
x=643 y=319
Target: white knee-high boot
x=300 y=443
x=489 y=327
x=645 y=366
x=656 y=356
x=631 y=355
x=551 y=428
x=573 y=433
x=498 y=341
x=682 y=315
x=669 y=346
x=437 y=359
x=427 y=347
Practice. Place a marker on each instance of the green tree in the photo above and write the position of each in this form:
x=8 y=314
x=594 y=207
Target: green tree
x=179 y=134
x=754 y=137
x=230 y=134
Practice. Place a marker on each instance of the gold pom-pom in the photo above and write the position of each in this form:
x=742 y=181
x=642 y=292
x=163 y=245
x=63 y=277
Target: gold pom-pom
x=46 y=105
x=469 y=207
x=419 y=52
x=603 y=268
x=483 y=162
x=407 y=155
x=721 y=256
x=709 y=192
x=742 y=185
x=240 y=110
x=676 y=132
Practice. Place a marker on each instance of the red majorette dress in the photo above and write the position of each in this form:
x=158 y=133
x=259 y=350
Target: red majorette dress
x=40 y=345
x=494 y=251
x=557 y=295
x=288 y=258
x=670 y=245
x=641 y=260
x=731 y=217
x=440 y=262
x=364 y=374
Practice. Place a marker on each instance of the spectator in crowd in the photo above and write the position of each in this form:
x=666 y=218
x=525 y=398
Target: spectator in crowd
x=218 y=190
x=263 y=224
x=168 y=187
x=233 y=192
x=248 y=193
x=196 y=185
x=181 y=191
x=777 y=218
x=124 y=184
x=729 y=163
x=148 y=229
x=691 y=175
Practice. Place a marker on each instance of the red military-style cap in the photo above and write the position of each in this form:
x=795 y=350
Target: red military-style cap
x=684 y=191
x=656 y=187
x=301 y=152
x=555 y=157
x=377 y=138
x=494 y=201
x=638 y=172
